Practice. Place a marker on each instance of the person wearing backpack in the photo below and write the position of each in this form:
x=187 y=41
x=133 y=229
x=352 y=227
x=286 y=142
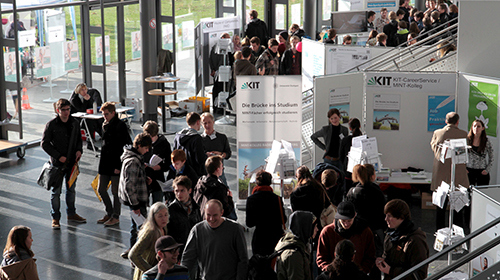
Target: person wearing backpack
x=295 y=263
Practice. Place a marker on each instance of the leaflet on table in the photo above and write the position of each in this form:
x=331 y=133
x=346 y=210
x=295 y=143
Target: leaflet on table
x=166 y=186
x=138 y=218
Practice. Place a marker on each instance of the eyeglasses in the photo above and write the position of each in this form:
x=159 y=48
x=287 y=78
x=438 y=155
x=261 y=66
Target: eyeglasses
x=172 y=251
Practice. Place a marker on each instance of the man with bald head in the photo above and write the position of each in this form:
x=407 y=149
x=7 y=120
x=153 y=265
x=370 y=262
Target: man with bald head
x=216 y=246
x=442 y=171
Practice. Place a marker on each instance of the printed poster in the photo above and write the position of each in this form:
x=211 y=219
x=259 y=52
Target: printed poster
x=386 y=109
x=438 y=106
x=9 y=60
x=167 y=39
x=188 y=34
x=340 y=99
x=71 y=57
x=43 y=63
x=483 y=105
x=136 y=44
x=99 y=50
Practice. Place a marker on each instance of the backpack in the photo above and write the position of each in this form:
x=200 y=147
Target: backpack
x=259 y=266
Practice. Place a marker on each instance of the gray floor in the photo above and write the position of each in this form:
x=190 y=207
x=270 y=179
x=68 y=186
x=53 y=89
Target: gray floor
x=91 y=251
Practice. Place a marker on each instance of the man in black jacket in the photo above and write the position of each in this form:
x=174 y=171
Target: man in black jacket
x=83 y=98
x=391 y=29
x=114 y=137
x=62 y=142
x=257 y=27
x=190 y=141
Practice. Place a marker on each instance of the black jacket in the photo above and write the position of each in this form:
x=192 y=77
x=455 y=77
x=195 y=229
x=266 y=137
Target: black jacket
x=186 y=171
x=210 y=187
x=56 y=141
x=390 y=30
x=191 y=143
x=263 y=212
x=162 y=149
x=77 y=105
x=309 y=197
x=114 y=137
x=257 y=27
x=287 y=62
x=369 y=202
x=180 y=222
x=326 y=133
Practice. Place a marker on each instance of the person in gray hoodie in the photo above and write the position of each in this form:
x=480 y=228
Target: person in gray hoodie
x=191 y=143
x=295 y=262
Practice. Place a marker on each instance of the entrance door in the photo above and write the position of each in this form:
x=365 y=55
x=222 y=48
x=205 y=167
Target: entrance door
x=278 y=17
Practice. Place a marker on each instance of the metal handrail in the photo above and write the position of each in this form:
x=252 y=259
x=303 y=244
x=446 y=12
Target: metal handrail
x=449 y=249
x=409 y=48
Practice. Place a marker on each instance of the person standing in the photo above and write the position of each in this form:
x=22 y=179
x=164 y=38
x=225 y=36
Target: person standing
x=243 y=66
x=442 y=171
x=214 y=143
x=216 y=246
x=167 y=252
x=114 y=138
x=480 y=155
x=265 y=212
x=382 y=20
x=61 y=140
x=133 y=189
x=332 y=135
x=256 y=27
x=269 y=60
x=291 y=62
x=191 y=142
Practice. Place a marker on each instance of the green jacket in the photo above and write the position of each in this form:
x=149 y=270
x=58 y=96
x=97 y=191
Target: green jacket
x=293 y=264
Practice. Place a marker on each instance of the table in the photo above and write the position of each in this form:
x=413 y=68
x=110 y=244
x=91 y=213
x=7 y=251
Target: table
x=405 y=178
x=123 y=111
x=83 y=122
x=162 y=92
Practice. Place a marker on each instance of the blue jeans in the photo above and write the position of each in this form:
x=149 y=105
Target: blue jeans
x=113 y=209
x=55 y=200
x=133 y=226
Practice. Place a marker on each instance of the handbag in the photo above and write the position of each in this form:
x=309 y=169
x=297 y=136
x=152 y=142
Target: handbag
x=50 y=176
x=328 y=214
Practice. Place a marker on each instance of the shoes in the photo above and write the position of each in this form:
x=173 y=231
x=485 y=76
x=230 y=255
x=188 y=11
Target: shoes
x=112 y=222
x=125 y=254
x=55 y=224
x=76 y=218
x=103 y=220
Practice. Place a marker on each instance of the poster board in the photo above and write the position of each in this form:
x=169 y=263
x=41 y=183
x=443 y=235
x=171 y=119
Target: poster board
x=71 y=55
x=136 y=44
x=99 y=49
x=340 y=58
x=43 y=62
x=342 y=91
x=468 y=111
x=485 y=207
x=398 y=110
x=268 y=108
x=313 y=62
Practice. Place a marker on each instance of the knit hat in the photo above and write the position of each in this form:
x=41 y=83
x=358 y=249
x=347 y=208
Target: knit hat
x=166 y=243
x=345 y=211
x=284 y=34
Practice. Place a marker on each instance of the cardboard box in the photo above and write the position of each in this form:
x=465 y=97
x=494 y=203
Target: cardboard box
x=205 y=102
x=427 y=201
x=191 y=106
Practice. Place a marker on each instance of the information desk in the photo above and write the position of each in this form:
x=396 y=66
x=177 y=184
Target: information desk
x=162 y=92
x=402 y=180
x=83 y=123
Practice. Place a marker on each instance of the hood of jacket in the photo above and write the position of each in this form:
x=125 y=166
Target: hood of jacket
x=185 y=135
x=301 y=225
x=130 y=152
x=16 y=270
x=291 y=241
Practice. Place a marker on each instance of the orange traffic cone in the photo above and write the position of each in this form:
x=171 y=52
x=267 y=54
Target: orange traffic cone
x=26 y=100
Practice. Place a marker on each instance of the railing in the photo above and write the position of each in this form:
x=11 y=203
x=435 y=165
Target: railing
x=463 y=260
x=307 y=127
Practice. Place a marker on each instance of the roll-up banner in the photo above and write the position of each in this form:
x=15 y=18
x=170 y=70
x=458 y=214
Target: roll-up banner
x=268 y=108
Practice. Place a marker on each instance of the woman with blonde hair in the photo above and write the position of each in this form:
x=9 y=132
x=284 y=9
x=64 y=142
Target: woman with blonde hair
x=18 y=262
x=143 y=254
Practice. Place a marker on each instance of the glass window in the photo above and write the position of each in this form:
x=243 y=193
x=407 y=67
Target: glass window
x=280 y=16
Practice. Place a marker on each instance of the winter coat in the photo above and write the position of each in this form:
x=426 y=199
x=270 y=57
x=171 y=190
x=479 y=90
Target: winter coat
x=115 y=137
x=56 y=141
x=390 y=30
x=257 y=27
x=264 y=212
x=442 y=171
x=404 y=248
x=264 y=61
x=180 y=222
x=211 y=187
x=369 y=202
x=186 y=170
x=243 y=67
x=288 y=60
x=308 y=197
x=359 y=234
x=77 y=105
x=143 y=254
x=161 y=148
x=191 y=143
x=21 y=270
x=132 y=189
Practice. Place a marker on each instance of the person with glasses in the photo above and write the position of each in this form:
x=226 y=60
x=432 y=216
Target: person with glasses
x=61 y=140
x=167 y=253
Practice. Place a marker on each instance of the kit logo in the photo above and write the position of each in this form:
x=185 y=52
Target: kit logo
x=208 y=25
x=380 y=81
x=250 y=85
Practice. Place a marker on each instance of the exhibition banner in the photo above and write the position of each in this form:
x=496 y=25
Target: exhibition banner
x=43 y=63
x=437 y=108
x=409 y=82
x=340 y=59
x=9 y=61
x=71 y=57
x=483 y=105
x=340 y=99
x=99 y=50
x=219 y=24
x=386 y=109
x=268 y=108
x=167 y=36
x=136 y=44
x=313 y=62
